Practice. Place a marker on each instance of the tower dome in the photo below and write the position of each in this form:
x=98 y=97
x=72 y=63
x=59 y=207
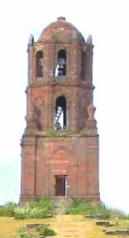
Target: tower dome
x=61 y=31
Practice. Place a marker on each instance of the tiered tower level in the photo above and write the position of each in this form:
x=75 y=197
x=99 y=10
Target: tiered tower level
x=60 y=142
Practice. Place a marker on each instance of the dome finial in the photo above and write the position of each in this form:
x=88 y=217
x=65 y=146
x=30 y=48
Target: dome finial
x=61 y=19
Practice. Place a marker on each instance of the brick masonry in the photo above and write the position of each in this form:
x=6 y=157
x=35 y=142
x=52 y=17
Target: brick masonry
x=73 y=151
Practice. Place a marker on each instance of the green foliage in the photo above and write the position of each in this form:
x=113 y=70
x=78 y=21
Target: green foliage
x=61 y=133
x=84 y=207
x=127 y=217
x=41 y=203
x=21 y=213
x=45 y=230
x=52 y=133
x=39 y=213
x=8 y=209
x=42 y=231
x=23 y=233
x=68 y=133
x=40 y=209
x=94 y=210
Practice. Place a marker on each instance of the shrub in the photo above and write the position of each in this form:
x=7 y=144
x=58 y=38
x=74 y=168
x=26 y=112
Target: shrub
x=38 y=213
x=23 y=233
x=41 y=232
x=46 y=202
x=40 y=209
x=45 y=230
x=20 y=213
x=8 y=209
x=84 y=207
x=93 y=210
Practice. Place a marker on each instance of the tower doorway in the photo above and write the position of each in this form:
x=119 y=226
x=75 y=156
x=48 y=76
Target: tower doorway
x=60 y=188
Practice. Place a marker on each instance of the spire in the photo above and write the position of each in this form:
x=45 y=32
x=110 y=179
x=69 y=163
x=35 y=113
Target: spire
x=31 y=40
x=89 y=40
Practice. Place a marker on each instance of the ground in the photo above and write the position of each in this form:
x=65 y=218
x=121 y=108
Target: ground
x=72 y=226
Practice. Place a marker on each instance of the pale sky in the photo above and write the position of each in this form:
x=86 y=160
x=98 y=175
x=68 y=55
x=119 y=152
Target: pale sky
x=108 y=22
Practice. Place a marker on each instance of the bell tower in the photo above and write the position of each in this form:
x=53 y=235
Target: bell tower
x=60 y=142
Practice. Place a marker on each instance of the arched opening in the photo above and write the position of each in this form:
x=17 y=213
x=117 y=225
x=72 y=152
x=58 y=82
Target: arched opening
x=60 y=113
x=39 y=64
x=61 y=63
x=83 y=66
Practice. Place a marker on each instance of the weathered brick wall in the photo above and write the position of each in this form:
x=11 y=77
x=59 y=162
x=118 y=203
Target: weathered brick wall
x=76 y=157
x=28 y=167
x=42 y=101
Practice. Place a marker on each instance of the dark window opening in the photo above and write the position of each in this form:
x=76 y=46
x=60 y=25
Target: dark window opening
x=39 y=64
x=60 y=187
x=60 y=114
x=83 y=70
x=61 y=63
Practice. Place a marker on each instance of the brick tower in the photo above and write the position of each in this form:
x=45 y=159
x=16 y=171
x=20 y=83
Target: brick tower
x=60 y=142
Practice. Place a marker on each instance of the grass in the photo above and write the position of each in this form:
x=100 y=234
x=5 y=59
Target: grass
x=64 y=225
x=76 y=223
x=61 y=133
x=52 y=133
x=45 y=230
x=9 y=227
x=42 y=231
x=43 y=208
x=8 y=209
x=39 y=209
x=93 y=210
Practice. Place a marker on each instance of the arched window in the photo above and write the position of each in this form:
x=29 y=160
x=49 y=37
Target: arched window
x=61 y=63
x=39 y=64
x=83 y=66
x=60 y=113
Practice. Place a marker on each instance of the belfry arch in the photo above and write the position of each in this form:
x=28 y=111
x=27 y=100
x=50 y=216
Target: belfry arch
x=61 y=65
x=61 y=113
x=39 y=64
